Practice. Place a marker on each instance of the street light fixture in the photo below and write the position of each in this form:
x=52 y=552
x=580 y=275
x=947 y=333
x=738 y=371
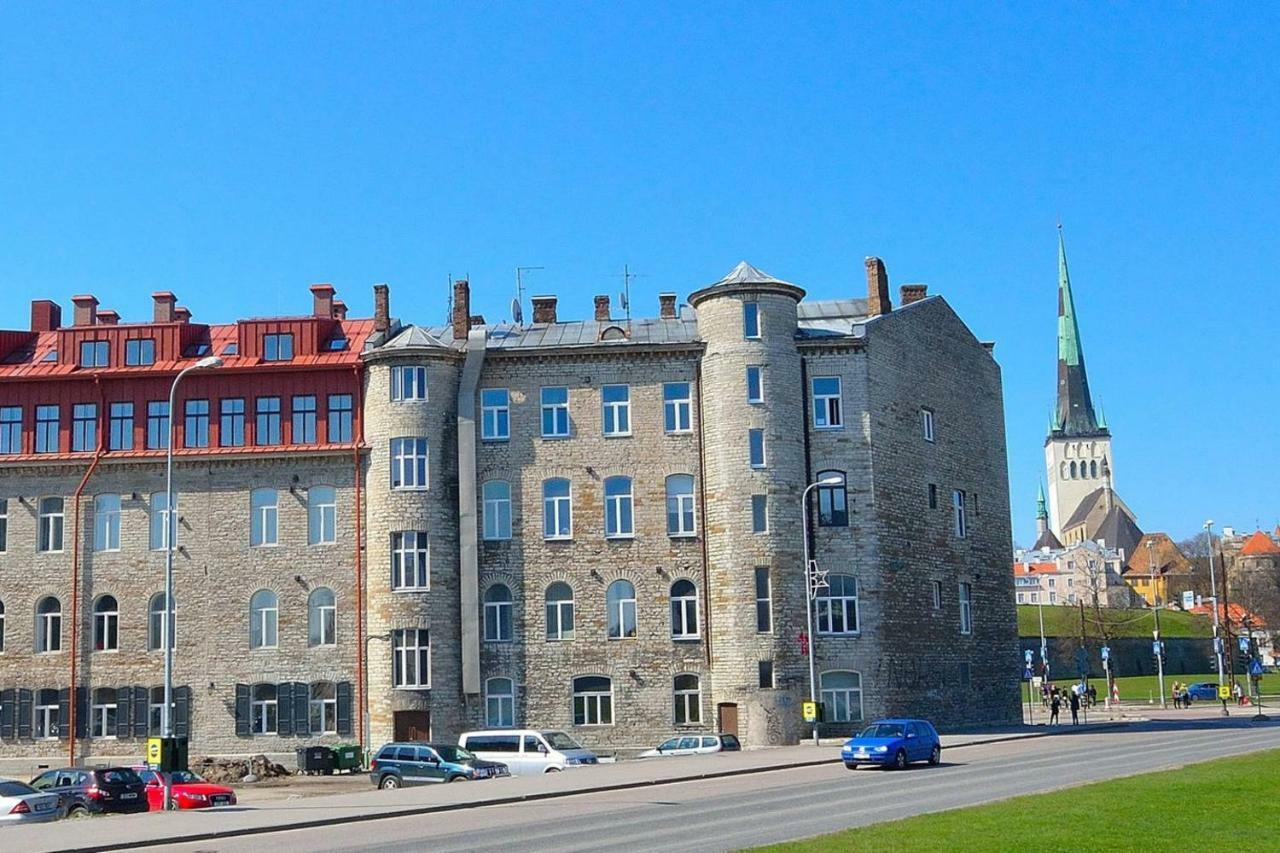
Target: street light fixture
x=833 y=480
x=1155 y=606
x=171 y=530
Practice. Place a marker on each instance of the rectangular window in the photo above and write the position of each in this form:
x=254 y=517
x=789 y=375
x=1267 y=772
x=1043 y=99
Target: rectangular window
x=51 y=523
x=495 y=414
x=10 y=429
x=764 y=601
x=555 y=412
x=304 y=420
x=828 y=409
x=937 y=595
x=759 y=513
x=157 y=424
x=139 y=352
x=966 y=608
x=766 y=675
x=833 y=500
x=409 y=463
x=267 y=424
x=106 y=523
x=195 y=423
x=496 y=510
x=93 y=353
x=755 y=441
x=973 y=504
x=410 y=560
x=411 y=658
x=408 y=383
x=751 y=320
x=121 y=417
x=47 y=429
x=231 y=422
x=84 y=427
x=161 y=524
x=616 y=400
x=957 y=506
x=677 y=407
x=340 y=418
x=557 y=509
x=926 y=423
x=264 y=518
x=277 y=348
x=322 y=515
x=4 y=546
x=933 y=496
x=755 y=385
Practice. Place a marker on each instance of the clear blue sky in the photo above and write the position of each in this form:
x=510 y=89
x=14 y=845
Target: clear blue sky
x=237 y=153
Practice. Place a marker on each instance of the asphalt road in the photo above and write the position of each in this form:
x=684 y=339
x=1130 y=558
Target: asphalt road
x=743 y=811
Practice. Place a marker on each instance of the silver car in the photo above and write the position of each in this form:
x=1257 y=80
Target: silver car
x=21 y=803
x=695 y=744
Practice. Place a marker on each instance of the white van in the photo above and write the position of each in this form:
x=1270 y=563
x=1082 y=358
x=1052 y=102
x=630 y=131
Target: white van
x=527 y=752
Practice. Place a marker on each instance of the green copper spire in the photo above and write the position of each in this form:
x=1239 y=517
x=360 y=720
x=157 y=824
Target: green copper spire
x=1074 y=414
x=1041 y=512
x=1102 y=417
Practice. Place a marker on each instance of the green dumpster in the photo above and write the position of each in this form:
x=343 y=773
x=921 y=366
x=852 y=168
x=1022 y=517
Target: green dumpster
x=348 y=757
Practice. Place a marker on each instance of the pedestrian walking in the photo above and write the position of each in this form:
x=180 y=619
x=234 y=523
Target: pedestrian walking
x=1075 y=709
x=1055 y=703
x=1237 y=693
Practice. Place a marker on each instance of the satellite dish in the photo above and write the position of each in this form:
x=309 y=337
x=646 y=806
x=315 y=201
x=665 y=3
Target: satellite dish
x=623 y=301
x=517 y=315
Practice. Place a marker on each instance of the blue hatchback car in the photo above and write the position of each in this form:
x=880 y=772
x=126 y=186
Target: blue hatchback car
x=893 y=743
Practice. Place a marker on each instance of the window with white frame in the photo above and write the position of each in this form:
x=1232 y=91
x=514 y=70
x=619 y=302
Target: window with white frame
x=838 y=605
x=833 y=500
x=828 y=408
x=618 y=504
x=157 y=619
x=106 y=523
x=842 y=696
x=408 y=383
x=410 y=560
x=106 y=624
x=961 y=525
x=759 y=513
x=409 y=468
x=620 y=602
x=498 y=610
x=4 y=525
x=592 y=701
x=48 y=625
x=764 y=601
x=322 y=617
x=155 y=711
x=46 y=718
x=322 y=515
x=163 y=522
x=1 y=625
x=264 y=709
x=322 y=709
x=264 y=620
x=616 y=400
x=755 y=444
x=50 y=525
x=684 y=610
x=102 y=714
x=411 y=658
x=496 y=510
x=499 y=703
x=557 y=509
x=680 y=506
x=677 y=407
x=495 y=414
x=555 y=412
x=937 y=595
x=966 y=608
x=755 y=384
x=926 y=423
x=751 y=320
x=264 y=515
x=559 y=611
x=687 y=692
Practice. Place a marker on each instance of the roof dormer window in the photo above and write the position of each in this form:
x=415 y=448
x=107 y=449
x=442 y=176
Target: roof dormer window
x=277 y=347
x=140 y=352
x=94 y=353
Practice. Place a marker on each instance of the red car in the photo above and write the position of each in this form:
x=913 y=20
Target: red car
x=189 y=791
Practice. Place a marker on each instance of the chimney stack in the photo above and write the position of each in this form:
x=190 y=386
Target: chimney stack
x=85 y=311
x=182 y=314
x=107 y=317
x=461 y=317
x=602 y=308
x=877 y=288
x=322 y=300
x=544 y=309
x=339 y=309
x=165 y=303
x=667 y=306
x=46 y=315
x=381 y=308
x=913 y=293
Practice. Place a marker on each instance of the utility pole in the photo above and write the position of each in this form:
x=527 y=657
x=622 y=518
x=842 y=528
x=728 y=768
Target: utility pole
x=1213 y=594
x=1155 y=605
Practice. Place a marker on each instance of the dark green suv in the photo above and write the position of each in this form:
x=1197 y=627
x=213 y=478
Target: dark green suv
x=399 y=764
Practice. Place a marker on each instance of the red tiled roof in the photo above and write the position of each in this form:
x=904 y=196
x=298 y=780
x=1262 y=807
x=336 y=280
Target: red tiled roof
x=1035 y=568
x=1234 y=614
x=1259 y=544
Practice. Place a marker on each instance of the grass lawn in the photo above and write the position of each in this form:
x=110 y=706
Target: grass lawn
x=1060 y=621
x=1136 y=688
x=1155 y=811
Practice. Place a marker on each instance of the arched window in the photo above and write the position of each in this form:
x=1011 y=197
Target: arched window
x=833 y=509
x=322 y=617
x=264 y=619
x=499 y=703
x=559 y=611
x=680 y=506
x=1063 y=474
x=322 y=710
x=687 y=691
x=264 y=709
x=557 y=509
x=102 y=716
x=592 y=701
x=264 y=505
x=684 y=610
x=322 y=515
x=106 y=624
x=156 y=619
x=618 y=515
x=497 y=614
x=838 y=606
x=496 y=495
x=1073 y=470
x=49 y=625
x=620 y=601
x=1093 y=470
x=842 y=696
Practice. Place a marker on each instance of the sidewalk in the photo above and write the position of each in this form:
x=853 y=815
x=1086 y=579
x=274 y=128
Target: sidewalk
x=296 y=811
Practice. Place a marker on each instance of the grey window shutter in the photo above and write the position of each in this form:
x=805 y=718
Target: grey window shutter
x=124 y=703
x=301 y=709
x=141 y=712
x=82 y=712
x=242 y=710
x=8 y=713
x=344 y=708
x=24 y=713
x=181 y=711
x=284 y=709
x=64 y=712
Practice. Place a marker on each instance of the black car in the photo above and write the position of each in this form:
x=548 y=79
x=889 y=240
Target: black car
x=400 y=764
x=94 y=790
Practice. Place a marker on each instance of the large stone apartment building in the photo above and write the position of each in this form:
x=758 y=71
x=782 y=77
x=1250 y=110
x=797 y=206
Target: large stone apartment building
x=390 y=530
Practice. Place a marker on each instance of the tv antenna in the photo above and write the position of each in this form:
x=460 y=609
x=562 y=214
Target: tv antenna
x=625 y=296
x=517 y=304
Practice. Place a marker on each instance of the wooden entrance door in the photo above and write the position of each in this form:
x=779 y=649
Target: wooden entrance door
x=727 y=716
x=413 y=725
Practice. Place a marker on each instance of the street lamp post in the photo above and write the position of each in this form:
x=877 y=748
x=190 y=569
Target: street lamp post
x=809 y=590
x=1213 y=594
x=1155 y=605
x=170 y=532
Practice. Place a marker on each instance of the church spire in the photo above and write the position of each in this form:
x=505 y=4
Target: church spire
x=1074 y=414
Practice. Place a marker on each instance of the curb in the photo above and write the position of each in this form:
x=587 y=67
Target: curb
x=524 y=798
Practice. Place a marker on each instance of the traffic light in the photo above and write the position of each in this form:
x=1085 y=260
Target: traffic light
x=1245 y=660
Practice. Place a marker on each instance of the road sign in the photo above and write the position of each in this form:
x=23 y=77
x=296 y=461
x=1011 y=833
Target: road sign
x=155 y=751
x=1224 y=691
x=1188 y=599
x=1106 y=653
x=1244 y=644
x=1028 y=656
x=1027 y=674
x=1255 y=669
x=1155 y=648
x=810 y=712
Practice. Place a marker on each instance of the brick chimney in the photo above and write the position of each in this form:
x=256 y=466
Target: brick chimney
x=381 y=308
x=544 y=309
x=667 y=306
x=182 y=314
x=46 y=315
x=85 y=311
x=877 y=288
x=602 y=308
x=913 y=293
x=322 y=300
x=165 y=303
x=107 y=317
x=339 y=309
x=460 y=318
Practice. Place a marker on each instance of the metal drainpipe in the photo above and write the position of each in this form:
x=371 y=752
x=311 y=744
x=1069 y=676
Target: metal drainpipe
x=75 y=573
x=702 y=512
x=357 y=435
